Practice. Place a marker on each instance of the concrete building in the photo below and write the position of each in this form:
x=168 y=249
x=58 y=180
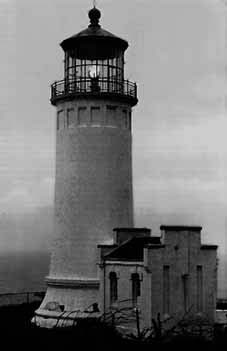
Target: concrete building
x=90 y=272
x=174 y=275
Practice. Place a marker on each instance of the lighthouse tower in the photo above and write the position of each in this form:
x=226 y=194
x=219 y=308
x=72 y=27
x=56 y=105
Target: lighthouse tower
x=93 y=187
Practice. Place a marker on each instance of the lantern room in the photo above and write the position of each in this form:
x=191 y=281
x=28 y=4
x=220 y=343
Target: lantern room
x=94 y=64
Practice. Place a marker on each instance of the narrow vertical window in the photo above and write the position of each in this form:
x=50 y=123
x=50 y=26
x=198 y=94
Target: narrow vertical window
x=83 y=116
x=130 y=121
x=199 y=278
x=58 y=124
x=166 y=290
x=60 y=120
x=96 y=117
x=185 y=279
x=113 y=287
x=135 y=288
x=70 y=118
x=125 y=118
x=111 y=116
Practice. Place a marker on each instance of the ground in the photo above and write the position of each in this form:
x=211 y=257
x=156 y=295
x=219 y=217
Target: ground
x=15 y=328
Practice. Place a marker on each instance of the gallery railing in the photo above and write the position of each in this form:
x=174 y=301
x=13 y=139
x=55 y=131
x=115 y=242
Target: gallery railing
x=94 y=85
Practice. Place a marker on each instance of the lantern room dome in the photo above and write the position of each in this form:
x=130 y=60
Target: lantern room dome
x=94 y=42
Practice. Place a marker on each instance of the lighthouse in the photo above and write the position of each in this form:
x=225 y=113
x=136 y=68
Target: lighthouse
x=93 y=181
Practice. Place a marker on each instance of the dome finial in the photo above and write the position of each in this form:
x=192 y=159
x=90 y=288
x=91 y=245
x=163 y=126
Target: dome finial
x=94 y=14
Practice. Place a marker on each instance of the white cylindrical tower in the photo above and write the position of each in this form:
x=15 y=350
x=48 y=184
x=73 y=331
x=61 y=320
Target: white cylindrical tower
x=93 y=189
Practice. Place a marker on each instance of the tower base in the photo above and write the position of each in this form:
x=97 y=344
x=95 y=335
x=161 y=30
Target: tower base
x=67 y=301
x=51 y=319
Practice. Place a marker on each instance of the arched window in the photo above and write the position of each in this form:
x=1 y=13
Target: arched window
x=135 y=287
x=113 y=287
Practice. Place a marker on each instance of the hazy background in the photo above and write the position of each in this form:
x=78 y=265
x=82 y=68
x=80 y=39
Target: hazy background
x=176 y=55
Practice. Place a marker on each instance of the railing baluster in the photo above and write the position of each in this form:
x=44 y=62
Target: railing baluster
x=83 y=85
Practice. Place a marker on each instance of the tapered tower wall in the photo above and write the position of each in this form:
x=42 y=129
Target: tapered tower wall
x=93 y=194
x=93 y=191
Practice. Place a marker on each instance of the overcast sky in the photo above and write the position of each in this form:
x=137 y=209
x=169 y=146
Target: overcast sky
x=177 y=57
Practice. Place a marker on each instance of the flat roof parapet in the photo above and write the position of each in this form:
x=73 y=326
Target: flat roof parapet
x=209 y=247
x=180 y=228
x=126 y=229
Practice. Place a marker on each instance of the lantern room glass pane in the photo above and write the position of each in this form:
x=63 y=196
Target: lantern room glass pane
x=109 y=71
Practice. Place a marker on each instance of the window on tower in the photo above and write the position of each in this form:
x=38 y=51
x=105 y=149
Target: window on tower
x=70 y=118
x=96 y=117
x=83 y=116
x=60 y=120
x=111 y=116
x=125 y=119
x=130 y=121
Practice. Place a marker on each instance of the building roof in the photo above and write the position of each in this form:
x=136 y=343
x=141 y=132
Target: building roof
x=132 y=249
x=94 y=37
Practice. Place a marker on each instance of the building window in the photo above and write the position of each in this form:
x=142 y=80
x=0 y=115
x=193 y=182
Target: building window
x=111 y=116
x=199 y=287
x=125 y=119
x=135 y=287
x=96 y=117
x=83 y=116
x=60 y=120
x=130 y=121
x=185 y=282
x=70 y=118
x=166 y=289
x=113 y=287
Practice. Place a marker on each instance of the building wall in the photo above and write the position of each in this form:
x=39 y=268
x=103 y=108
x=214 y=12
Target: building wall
x=165 y=270
x=182 y=253
x=93 y=194
x=123 y=271
x=93 y=190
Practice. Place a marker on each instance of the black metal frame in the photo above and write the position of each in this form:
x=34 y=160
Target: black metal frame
x=79 y=68
x=96 y=86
